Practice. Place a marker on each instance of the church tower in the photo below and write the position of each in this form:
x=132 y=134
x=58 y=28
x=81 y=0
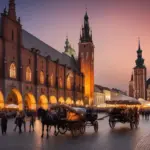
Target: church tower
x=139 y=77
x=86 y=60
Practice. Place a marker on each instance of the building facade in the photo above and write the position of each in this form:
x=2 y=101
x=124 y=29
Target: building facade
x=33 y=74
x=137 y=86
x=99 y=96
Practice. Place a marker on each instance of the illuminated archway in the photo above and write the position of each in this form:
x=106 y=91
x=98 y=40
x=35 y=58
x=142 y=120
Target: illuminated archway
x=61 y=100
x=79 y=103
x=1 y=100
x=14 y=97
x=53 y=100
x=30 y=102
x=69 y=101
x=82 y=103
x=43 y=102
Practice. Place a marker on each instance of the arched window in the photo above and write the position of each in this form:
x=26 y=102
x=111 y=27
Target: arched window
x=68 y=83
x=60 y=83
x=28 y=74
x=42 y=77
x=12 y=35
x=51 y=80
x=12 y=70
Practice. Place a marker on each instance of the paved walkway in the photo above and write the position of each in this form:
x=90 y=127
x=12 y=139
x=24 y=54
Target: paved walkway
x=120 y=138
x=144 y=143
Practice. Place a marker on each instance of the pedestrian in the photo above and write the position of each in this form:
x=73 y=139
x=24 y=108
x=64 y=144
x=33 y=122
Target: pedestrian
x=19 y=122
x=24 y=121
x=16 y=121
x=32 y=121
x=4 y=124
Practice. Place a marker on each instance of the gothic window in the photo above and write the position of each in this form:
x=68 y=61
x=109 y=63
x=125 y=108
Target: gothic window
x=60 y=83
x=42 y=77
x=68 y=83
x=12 y=35
x=92 y=56
x=51 y=80
x=28 y=74
x=29 y=61
x=12 y=71
x=87 y=55
x=82 y=55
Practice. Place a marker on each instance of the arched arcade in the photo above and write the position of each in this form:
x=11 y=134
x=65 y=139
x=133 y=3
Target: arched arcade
x=29 y=102
x=43 y=102
x=14 y=97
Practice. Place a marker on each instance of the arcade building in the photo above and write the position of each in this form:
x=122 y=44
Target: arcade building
x=33 y=74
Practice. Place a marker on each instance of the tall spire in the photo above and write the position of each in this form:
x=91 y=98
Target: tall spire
x=86 y=37
x=139 y=42
x=139 y=61
x=12 y=10
x=66 y=44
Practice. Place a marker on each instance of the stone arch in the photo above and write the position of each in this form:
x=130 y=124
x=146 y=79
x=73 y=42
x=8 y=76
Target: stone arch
x=53 y=100
x=43 y=102
x=30 y=102
x=82 y=103
x=15 y=97
x=61 y=100
x=79 y=103
x=1 y=100
x=69 y=101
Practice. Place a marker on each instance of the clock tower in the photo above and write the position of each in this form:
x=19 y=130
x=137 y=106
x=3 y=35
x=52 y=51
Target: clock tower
x=86 y=60
x=139 y=78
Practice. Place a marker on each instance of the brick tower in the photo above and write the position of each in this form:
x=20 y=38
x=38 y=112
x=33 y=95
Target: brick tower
x=139 y=78
x=86 y=59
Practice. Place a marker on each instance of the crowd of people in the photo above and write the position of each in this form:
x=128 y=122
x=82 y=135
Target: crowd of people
x=145 y=113
x=20 y=121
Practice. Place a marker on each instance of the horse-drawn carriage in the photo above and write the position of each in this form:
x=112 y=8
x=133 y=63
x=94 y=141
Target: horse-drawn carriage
x=124 y=114
x=74 y=119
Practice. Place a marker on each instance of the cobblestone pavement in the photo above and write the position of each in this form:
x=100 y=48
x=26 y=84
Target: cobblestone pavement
x=120 y=138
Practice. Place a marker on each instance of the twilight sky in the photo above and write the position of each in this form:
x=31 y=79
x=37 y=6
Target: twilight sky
x=116 y=26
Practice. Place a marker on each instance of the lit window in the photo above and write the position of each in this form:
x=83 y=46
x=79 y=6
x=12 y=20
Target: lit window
x=60 y=83
x=12 y=71
x=51 y=80
x=68 y=83
x=87 y=55
x=42 y=77
x=28 y=74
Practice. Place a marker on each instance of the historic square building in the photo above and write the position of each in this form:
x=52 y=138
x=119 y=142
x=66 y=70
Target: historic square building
x=34 y=74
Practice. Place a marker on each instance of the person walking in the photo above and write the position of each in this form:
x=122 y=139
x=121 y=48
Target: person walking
x=24 y=121
x=20 y=121
x=32 y=121
x=4 y=124
x=16 y=121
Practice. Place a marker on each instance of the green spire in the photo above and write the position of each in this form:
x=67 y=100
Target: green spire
x=66 y=44
x=139 y=61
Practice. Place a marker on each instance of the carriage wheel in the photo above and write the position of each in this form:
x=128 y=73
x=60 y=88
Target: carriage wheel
x=62 y=129
x=131 y=125
x=95 y=124
x=56 y=133
x=74 y=131
x=112 y=124
x=82 y=129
